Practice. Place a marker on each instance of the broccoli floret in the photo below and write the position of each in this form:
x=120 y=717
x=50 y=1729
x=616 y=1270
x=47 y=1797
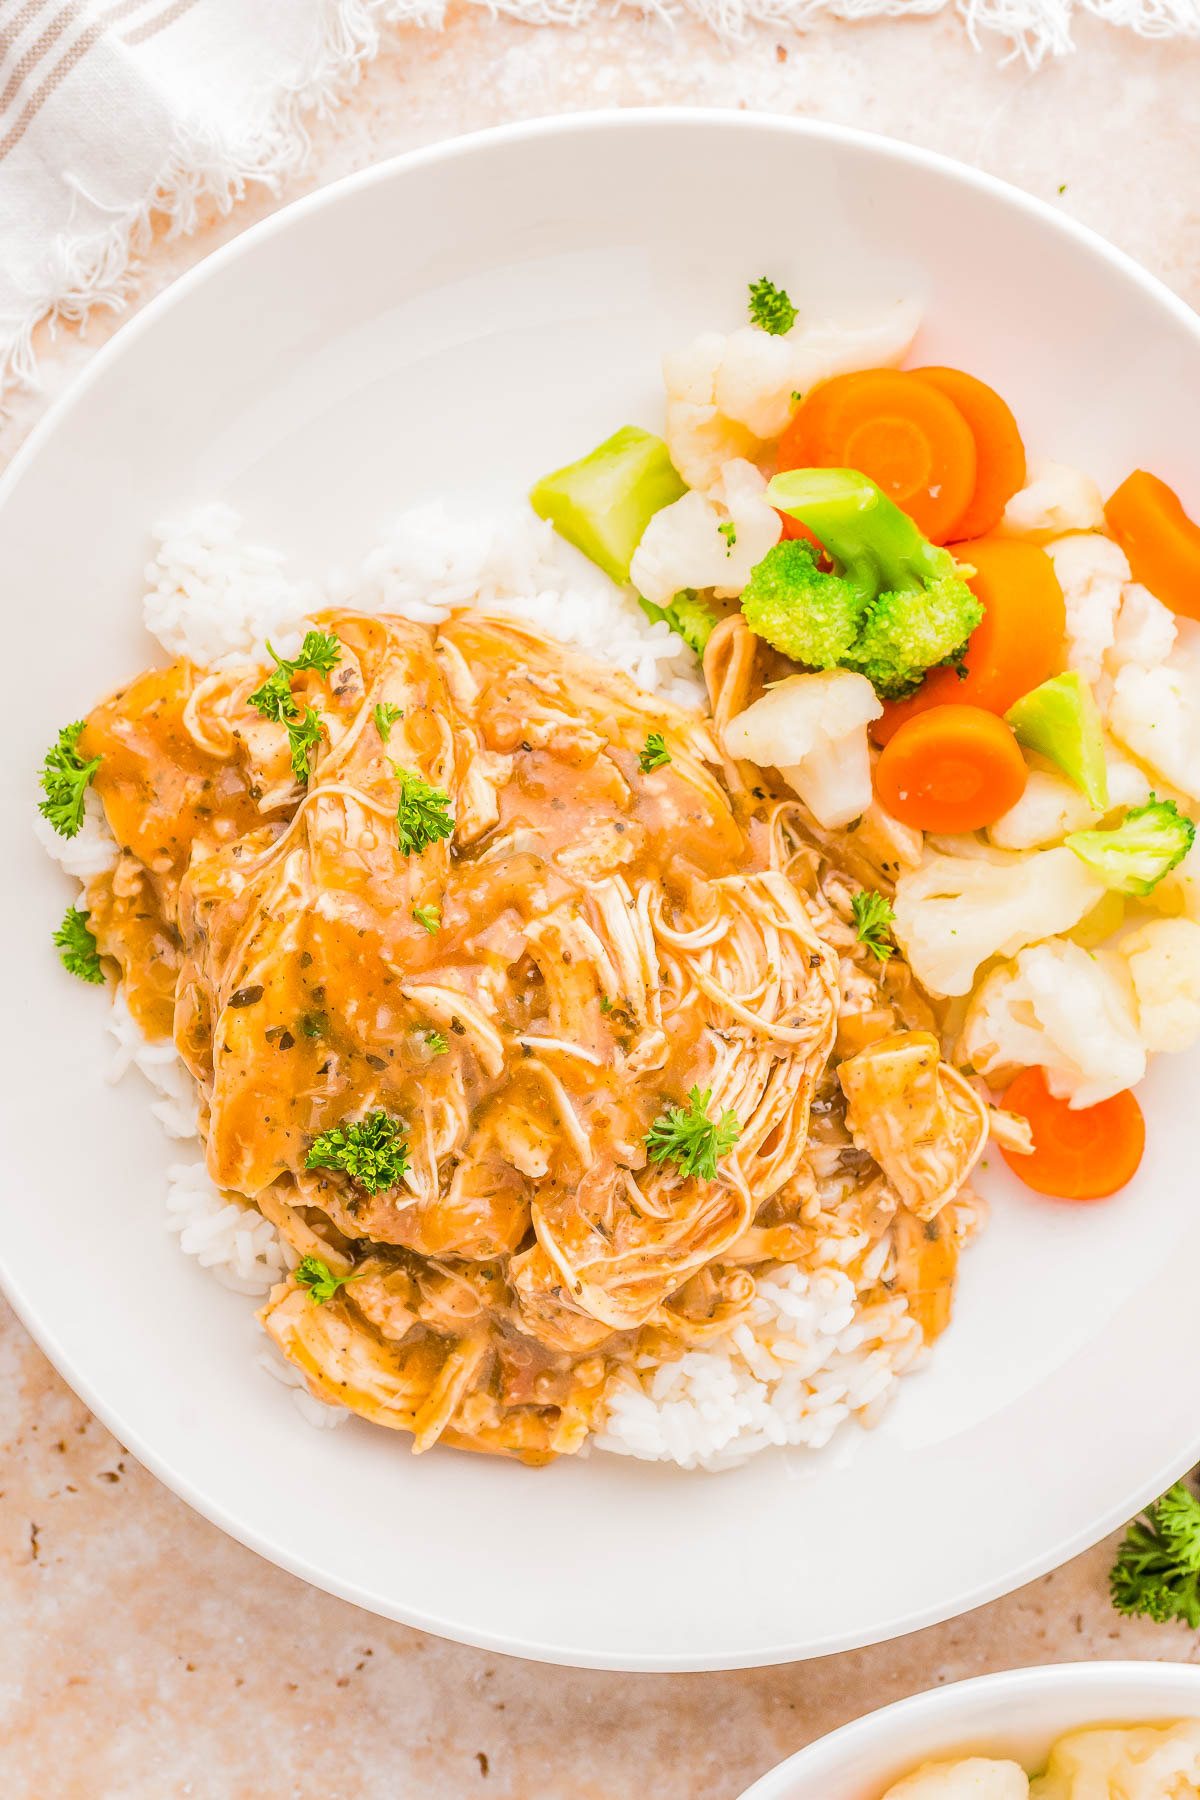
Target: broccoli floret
x=812 y=617
x=1145 y=846
x=912 y=607
x=692 y=618
x=909 y=630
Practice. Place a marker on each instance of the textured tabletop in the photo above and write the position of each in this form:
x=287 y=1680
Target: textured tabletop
x=143 y=1655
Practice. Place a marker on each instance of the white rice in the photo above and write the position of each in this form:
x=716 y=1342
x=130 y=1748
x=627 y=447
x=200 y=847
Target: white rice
x=811 y=1355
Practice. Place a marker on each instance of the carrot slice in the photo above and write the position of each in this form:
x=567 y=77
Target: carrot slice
x=903 y=433
x=999 y=451
x=1017 y=645
x=1085 y=1154
x=1162 y=543
x=954 y=768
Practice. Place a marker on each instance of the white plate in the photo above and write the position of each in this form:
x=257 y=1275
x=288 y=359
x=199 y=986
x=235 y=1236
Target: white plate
x=466 y=318
x=1018 y=1713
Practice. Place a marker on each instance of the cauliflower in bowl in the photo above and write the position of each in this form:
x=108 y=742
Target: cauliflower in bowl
x=1137 y=1762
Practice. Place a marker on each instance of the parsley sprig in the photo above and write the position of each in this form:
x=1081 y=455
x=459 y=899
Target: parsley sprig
x=422 y=812
x=65 y=779
x=686 y=1136
x=314 y=1273
x=77 y=947
x=437 y=1043
x=385 y=717
x=429 y=918
x=274 y=699
x=654 y=754
x=373 y=1151
x=1157 y=1571
x=771 y=308
x=874 y=916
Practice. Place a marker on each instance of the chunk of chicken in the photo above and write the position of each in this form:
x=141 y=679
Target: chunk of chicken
x=923 y=1124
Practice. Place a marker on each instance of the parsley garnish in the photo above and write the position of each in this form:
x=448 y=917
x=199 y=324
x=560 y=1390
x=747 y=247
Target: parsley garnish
x=729 y=532
x=1157 y=1571
x=654 y=755
x=873 y=917
x=385 y=717
x=438 y=1043
x=372 y=1151
x=429 y=918
x=65 y=778
x=314 y=1024
x=274 y=699
x=77 y=946
x=606 y=1004
x=422 y=813
x=686 y=1136
x=316 y=1275
x=771 y=308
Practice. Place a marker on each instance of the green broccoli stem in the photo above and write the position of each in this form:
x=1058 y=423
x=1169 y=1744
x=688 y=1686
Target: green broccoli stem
x=876 y=546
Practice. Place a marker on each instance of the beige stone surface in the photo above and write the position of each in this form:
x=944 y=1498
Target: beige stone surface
x=143 y=1656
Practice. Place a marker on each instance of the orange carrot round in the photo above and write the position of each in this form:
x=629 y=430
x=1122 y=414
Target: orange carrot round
x=1017 y=645
x=1162 y=543
x=1084 y=1154
x=999 y=452
x=910 y=439
x=953 y=768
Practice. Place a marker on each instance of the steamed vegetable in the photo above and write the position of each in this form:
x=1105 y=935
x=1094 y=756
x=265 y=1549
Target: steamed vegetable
x=1055 y=499
x=900 y=432
x=1162 y=543
x=913 y=605
x=1016 y=645
x=1135 y=855
x=951 y=769
x=1163 y=961
x=955 y=912
x=1155 y=712
x=603 y=503
x=1083 y=1153
x=688 y=545
x=1157 y=1569
x=1061 y=721
x=1092 y=572
x=689 y=617
x=999 y=452
x=813 y=729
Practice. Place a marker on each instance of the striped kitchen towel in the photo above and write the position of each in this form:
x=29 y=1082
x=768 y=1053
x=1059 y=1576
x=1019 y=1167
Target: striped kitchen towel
x=117 y=114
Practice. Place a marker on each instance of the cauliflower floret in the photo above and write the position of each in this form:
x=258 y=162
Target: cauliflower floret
x=1062 y=1009
x=1055 y=499
x=1145 y=630
x=970 y=1778
x=813 y=729
x=1142 y=1762
x=1155 y=712
x=1163 y=959
x=708 y=540
x=728 y=395
x=1052 y=805
x=1178 y=893
x=1091 y=570
x=955 y=912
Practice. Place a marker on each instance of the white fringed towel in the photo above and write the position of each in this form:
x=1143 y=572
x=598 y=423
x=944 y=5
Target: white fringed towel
x=115 y=112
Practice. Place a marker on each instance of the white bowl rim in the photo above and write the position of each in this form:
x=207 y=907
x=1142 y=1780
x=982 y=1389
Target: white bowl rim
x=1129 y=1683
x=467 y=144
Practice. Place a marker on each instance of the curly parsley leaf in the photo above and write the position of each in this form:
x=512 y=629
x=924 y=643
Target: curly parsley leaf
x=1157 y=1571
x=422 y=812
x=771 y=308
x=686 y=1136
x=373 y=1151
x=385 y=717
x=874 y=916
x=654 y=754
x=65 y=778
x=429 y=918
x=77 y=947
x=321 y=652
x=313 y=1273
x=437 y=1043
